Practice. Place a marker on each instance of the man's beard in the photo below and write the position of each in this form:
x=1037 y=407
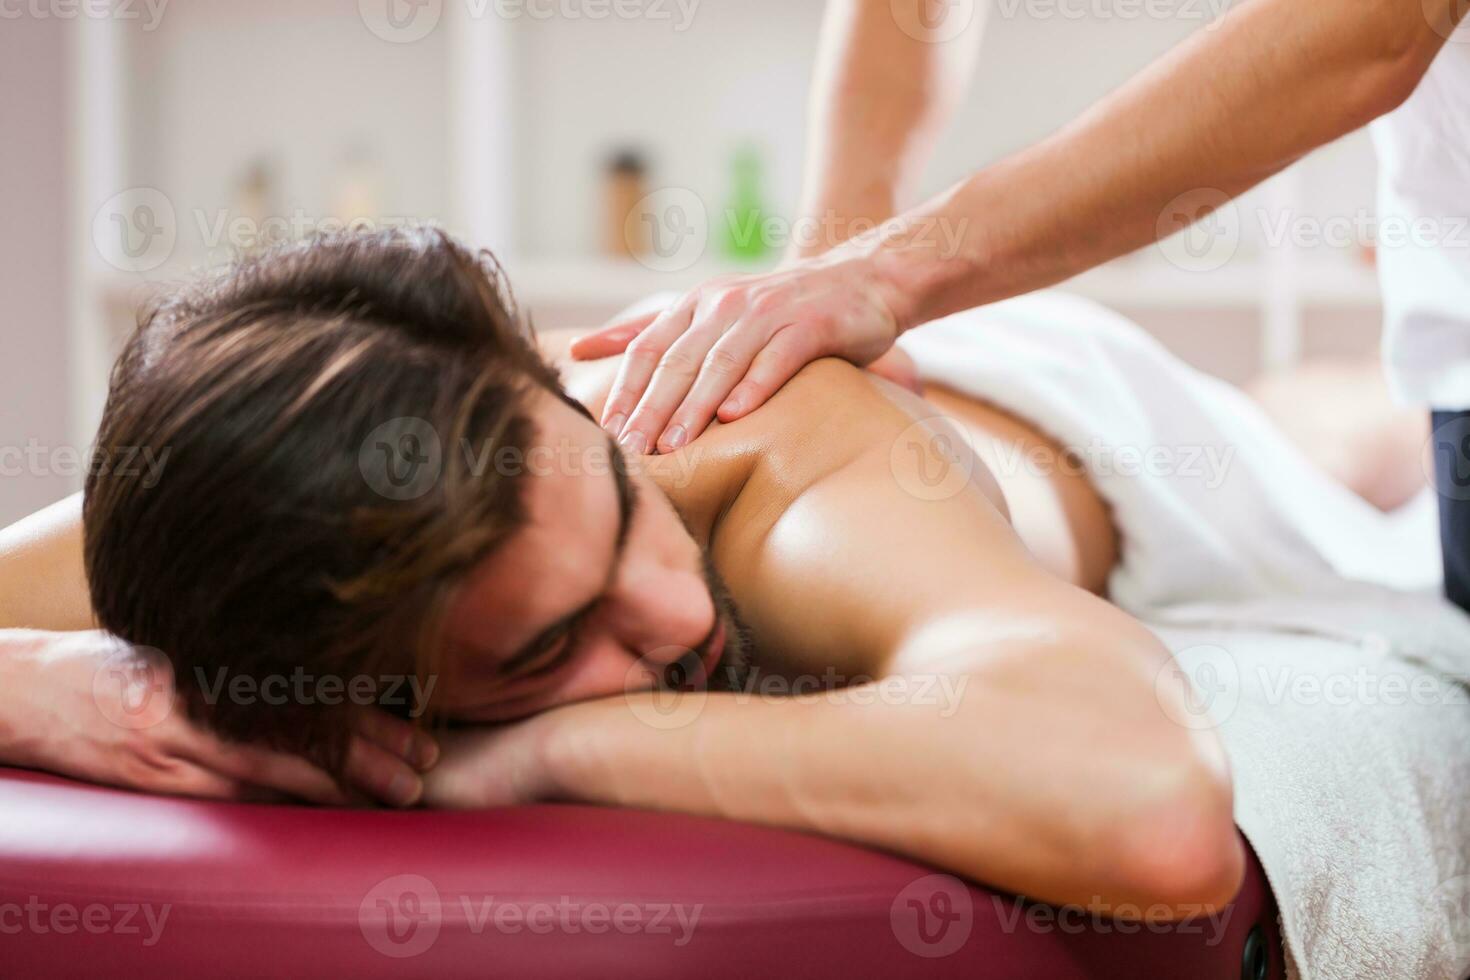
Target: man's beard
x=732 y=671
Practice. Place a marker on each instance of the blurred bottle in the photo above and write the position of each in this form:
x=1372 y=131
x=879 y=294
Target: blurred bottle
x=744 y=218
x=625 y=233
x=255 y=207
x=357 y=198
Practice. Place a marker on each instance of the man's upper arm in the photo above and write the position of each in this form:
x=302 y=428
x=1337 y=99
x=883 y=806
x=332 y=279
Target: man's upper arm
x=43 y=581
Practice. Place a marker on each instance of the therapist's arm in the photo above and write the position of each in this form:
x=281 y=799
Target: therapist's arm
x=1224 y=110
x=1220 y=113
x=880 y=99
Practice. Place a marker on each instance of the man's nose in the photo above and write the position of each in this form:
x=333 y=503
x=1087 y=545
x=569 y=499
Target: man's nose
x=659 y=613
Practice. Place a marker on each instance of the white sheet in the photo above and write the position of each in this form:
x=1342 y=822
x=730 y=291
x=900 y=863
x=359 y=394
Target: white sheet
x=1338 y=700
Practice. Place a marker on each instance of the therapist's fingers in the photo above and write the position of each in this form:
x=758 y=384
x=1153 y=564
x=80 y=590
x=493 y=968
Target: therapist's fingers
x=791 y=349
x=678 y=369
x=641 y=361
x=611 y=338
x=723 y=367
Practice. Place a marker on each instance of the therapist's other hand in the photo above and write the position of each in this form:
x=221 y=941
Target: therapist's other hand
x=730 y=344
x=86 y=705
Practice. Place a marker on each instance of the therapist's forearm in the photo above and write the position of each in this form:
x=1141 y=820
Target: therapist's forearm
x=879 y=99
x=1221 y=112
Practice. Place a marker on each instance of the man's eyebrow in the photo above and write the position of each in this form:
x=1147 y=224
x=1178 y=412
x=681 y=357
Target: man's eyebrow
x=627 y=506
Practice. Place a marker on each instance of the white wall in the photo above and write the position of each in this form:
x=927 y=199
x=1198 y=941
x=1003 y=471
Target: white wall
x=34 y=411
x=220 y=83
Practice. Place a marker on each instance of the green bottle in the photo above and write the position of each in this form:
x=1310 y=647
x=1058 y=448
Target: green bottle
x=744 y=218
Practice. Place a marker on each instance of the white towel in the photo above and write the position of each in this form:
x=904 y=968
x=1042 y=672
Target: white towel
x=1340 y=701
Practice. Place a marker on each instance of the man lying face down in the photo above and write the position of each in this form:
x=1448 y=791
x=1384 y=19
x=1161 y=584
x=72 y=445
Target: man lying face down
x=373 y=472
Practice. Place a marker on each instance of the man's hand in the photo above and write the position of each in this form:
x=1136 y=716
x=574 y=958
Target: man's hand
x=730 y=344
x=86 y=705
x=499 y=765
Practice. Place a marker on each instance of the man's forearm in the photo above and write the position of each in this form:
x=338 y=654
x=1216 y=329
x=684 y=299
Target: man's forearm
x=1221 y=112
x=879 y=99
x=999 y=776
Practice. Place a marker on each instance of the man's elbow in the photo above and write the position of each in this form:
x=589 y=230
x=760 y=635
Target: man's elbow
x=1179 y=854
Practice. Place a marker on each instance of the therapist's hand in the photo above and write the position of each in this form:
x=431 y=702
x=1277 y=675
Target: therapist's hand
x=730 y=344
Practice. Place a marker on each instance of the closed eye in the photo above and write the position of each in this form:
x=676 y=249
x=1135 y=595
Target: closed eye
x=551 y=655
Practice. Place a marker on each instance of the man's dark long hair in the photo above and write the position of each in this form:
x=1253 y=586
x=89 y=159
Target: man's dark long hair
x=314 y=509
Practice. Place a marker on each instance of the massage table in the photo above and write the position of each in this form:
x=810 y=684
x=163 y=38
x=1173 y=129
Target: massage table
x=97 y=881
